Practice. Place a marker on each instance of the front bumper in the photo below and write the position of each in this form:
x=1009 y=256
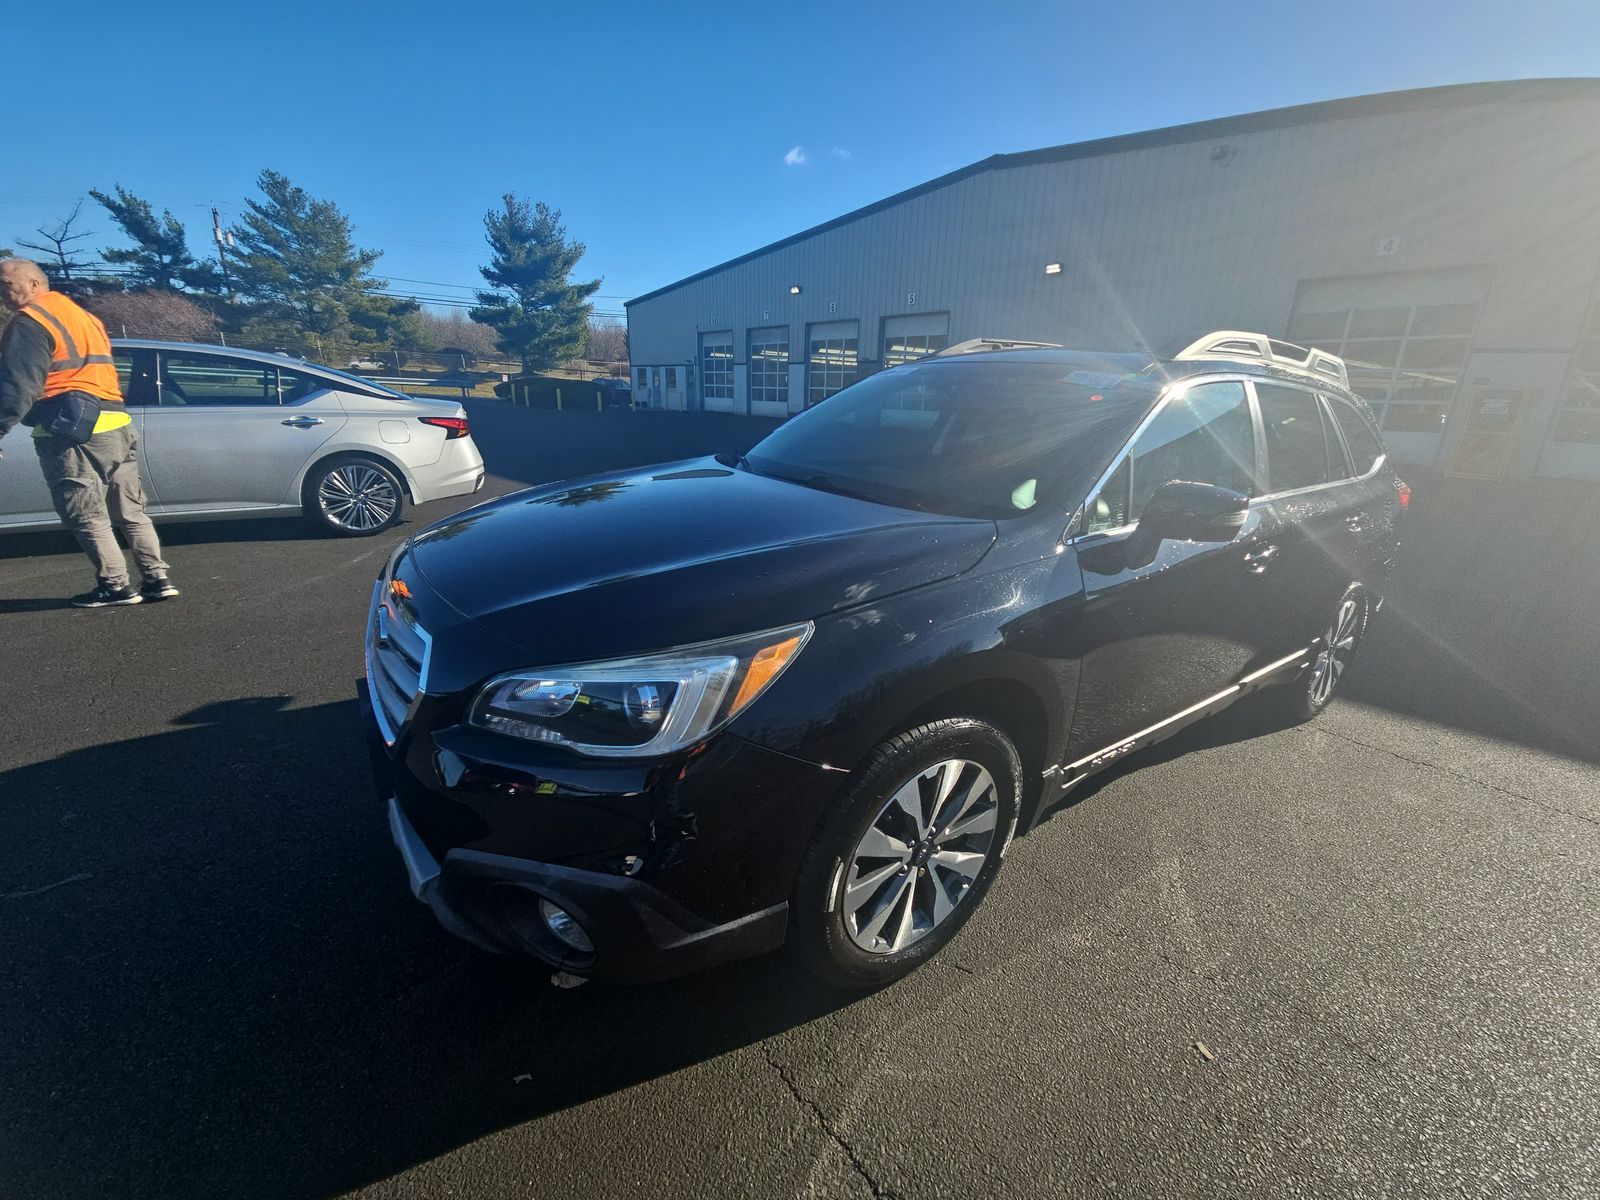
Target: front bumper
x=640 y=934
x=669 y=869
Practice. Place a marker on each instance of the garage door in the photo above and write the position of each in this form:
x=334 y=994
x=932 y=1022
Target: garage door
x=908 y=338
x=1405 y=338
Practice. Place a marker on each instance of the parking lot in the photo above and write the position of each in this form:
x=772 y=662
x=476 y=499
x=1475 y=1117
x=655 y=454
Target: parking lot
x=1359 y=957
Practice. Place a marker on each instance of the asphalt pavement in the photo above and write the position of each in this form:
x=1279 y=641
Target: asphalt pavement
x=1355 y=958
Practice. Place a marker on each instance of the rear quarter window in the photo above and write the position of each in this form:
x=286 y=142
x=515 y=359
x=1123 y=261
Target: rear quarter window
x=1365 y=448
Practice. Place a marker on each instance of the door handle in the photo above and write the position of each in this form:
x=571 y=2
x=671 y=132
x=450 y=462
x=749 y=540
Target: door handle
x=302 y=422
x=1258 y=559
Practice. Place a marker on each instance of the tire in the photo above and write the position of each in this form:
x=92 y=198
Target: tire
x=350 y=495
x=1310 y=693
x=886 y=882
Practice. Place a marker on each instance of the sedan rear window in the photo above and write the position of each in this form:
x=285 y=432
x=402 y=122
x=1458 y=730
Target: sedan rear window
x=966 y=438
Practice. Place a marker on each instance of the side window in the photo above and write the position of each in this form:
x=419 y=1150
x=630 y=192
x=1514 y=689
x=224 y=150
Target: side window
x=211 y=380
x=135 y=377
x=1109 y=508
x=294 y=387
x=1297 y=453
x=1203 y=436
x=1365 y=448
x=1338 y=463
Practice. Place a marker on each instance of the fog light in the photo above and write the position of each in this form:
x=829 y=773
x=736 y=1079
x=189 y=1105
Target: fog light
x=566 y=929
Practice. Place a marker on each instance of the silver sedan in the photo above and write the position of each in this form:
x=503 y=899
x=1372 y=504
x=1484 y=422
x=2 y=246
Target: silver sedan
x=233 y=433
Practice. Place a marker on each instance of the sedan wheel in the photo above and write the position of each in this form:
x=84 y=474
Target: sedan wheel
x=356 y=497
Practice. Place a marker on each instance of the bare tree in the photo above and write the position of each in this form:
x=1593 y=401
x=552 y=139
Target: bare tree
x=608 y=341
x=60 y=236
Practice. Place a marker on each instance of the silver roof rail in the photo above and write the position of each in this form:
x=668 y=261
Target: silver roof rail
x=1236 y=344
x=980 y=345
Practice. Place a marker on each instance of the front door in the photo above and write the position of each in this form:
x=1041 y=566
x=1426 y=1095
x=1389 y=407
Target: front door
x=221 y=437
x=1168 y=623
x=1493 y=424
x=672 y=388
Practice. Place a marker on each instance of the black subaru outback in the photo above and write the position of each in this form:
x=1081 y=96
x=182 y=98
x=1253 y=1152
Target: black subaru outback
x=643 y=722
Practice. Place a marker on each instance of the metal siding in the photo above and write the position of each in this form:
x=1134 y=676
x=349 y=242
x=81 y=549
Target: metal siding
x=1159 y=241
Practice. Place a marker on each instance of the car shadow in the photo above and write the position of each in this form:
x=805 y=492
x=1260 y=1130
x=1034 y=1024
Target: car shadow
x=217 y=983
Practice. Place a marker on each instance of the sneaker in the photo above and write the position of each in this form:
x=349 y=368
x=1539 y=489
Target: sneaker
x=158 y=587
x=107 y=597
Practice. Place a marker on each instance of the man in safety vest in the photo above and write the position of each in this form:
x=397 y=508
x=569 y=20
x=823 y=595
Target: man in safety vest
x=53 y=354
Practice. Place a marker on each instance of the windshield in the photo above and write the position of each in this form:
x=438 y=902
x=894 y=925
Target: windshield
x=965 y=438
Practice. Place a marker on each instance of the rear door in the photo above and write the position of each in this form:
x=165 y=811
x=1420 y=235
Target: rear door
x=223 y=436
x=1321 y=512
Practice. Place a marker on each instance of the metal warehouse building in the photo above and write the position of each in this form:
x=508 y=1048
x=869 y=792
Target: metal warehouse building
x=1445 y=241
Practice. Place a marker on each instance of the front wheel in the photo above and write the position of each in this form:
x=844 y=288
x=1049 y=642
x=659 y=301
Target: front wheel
x=908 y=854
x=353 y=497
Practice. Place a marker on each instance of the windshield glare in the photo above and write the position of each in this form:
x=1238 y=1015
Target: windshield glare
x=976 y=439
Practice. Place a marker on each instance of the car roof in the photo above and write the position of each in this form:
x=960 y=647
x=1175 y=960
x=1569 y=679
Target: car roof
x=1158 y=370
x=342 y=379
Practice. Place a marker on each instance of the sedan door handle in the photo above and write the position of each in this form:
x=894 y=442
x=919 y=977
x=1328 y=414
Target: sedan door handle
x=302 y=422
x=1258 y=559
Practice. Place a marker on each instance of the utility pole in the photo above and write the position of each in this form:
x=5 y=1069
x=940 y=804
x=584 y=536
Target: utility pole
x=224 y=241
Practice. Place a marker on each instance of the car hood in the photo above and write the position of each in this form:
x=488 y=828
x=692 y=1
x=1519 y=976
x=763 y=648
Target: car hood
x=682 y=553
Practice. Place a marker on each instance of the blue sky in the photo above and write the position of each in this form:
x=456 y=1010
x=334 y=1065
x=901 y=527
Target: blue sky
x=673 y=136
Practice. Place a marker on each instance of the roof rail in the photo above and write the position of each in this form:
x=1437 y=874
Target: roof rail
x=1236 y=344
x=981 y=345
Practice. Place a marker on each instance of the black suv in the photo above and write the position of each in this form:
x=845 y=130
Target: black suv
x=642 y=722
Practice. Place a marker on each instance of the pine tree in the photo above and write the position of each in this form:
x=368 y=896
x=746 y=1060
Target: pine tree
x=545 y=318
x=160 y=255
x=298 y=265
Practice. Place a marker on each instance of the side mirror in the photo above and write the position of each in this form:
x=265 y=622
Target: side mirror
x=1196 y=512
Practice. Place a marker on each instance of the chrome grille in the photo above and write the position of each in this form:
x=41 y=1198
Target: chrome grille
x=397 y=660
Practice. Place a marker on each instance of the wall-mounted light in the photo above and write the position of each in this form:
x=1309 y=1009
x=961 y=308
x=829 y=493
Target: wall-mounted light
x=1052 y=268
x=794 y=289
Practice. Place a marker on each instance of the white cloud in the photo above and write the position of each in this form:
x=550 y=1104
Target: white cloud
x=839 y=152
x=796 y=157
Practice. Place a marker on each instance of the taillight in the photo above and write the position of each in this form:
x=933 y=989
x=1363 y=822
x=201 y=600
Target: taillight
x=454 y=427
x=1404 y=490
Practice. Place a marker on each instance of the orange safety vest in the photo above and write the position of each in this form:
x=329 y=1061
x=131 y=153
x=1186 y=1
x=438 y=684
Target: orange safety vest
x=80 y=356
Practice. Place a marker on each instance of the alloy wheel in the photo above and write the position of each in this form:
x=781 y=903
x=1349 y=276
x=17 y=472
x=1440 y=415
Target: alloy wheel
x=1338 y=645
x=920 y=856
x=356 y=497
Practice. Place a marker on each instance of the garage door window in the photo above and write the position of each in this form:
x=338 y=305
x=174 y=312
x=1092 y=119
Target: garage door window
x=833 y=365
x=1406 y=361
x=769 y=366
x=908 y=347
x=716 y=366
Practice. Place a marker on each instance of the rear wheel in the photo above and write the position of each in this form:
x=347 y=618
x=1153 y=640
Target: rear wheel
x=1336 y=648
x=908 y=854
x=353 y=496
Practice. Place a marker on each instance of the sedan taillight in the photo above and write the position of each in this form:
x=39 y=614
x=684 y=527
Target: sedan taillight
x=1404 y=490
x=454 y=427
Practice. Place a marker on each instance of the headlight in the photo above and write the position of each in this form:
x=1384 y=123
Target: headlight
x=638 y=707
